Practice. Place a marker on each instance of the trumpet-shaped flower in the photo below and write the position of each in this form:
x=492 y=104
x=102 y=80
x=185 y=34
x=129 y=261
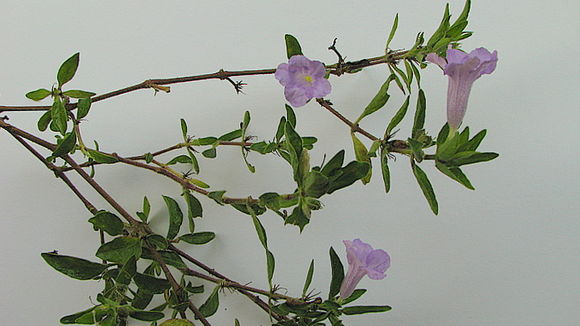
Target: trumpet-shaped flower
x=303 y=79
x=363 y=260
x=463 y=69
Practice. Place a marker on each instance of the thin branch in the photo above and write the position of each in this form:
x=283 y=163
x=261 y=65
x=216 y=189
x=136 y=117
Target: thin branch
x=176 y=287
x=354 y=127
x=215 y=273
x=335 y=69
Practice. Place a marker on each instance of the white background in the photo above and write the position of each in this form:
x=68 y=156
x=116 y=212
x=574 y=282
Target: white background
x=506 y=254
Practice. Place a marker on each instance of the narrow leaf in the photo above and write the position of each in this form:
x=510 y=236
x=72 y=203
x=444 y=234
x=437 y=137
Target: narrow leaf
x=39 y=94
x=379 y=100
x=83 y=107
x=385 y=170
x=44 y=120
x=68 y=69
x=398 y=117
x=175 y=217
x=76 y=268
x=357 y=310
x=393 y=30
x=292 y=46
x=362 y=155
x=198 y=238
x=426 y=187
x=455 y=174
x=67 y=144
x=78 y=94
x=337 y=274
x=151 y=284
x=308 y=278
x=419 y=120
x=119 y=250
x=210 y=306
x=107 y=222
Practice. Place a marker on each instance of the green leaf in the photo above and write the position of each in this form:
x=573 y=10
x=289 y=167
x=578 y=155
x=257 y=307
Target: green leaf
x=465 y=158
x=473 y=143
x=270 y=265
x=406 y=78
x=107 y=222
x=211 y=305
x=398 y=117
x=378 y=101
x=315 y=184
x=177 y=322
x=119 y=250
x=337 y=274
x=442 y=29
x=293 y=139
x=334 y=164
x=180 y=159
x=175 y=217
x=44 y=120
x=217 y=196
x=78 y=94
x=39 y=94
x=141 y=299
x=362 y=155
x=425 y=187
x=83 y=107
x=357 y=310
x=157 y=241
x=204 y=141
x=461 y=21
x=59 y=116
x=392 y=33
x=280 y=130
x=127 y=272
x=232 y=135
x=443 y=134
x=67 y=144
x=68 y=69
x=101 y=157
x=290 y=115
x=419 y=120
x=385 y=170
x=308 y=278
x=146 y=206
x=183 y=129
x=270 y=200
x=298 y=218
x=292 y=46
x=198 y=238
x=455 y=174
x=260 y=231
x=194 y=289
x=147 y=315
x=417 y=148
x=169 y=257
x=352 y=172
x=151 y=284
x=194 y=163
x=209 y=153
x=76 y=268
x=416 y=73
x=194 y=209
x=355 y=295
x=85 y=317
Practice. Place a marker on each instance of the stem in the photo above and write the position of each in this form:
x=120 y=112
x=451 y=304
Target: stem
x=336 y=69
x=213 y=272
x=354 y=127
x=176 y=287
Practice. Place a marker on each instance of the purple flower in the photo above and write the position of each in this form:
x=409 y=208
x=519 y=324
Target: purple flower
x=463 y=69
x=303 y=79
x=363 y=260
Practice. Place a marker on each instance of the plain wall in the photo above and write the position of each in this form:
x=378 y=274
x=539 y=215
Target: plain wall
x=505 y=254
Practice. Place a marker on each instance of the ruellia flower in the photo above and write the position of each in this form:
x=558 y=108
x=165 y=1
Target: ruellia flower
x=463 y=69
x=363 y=260
x=303 y=79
